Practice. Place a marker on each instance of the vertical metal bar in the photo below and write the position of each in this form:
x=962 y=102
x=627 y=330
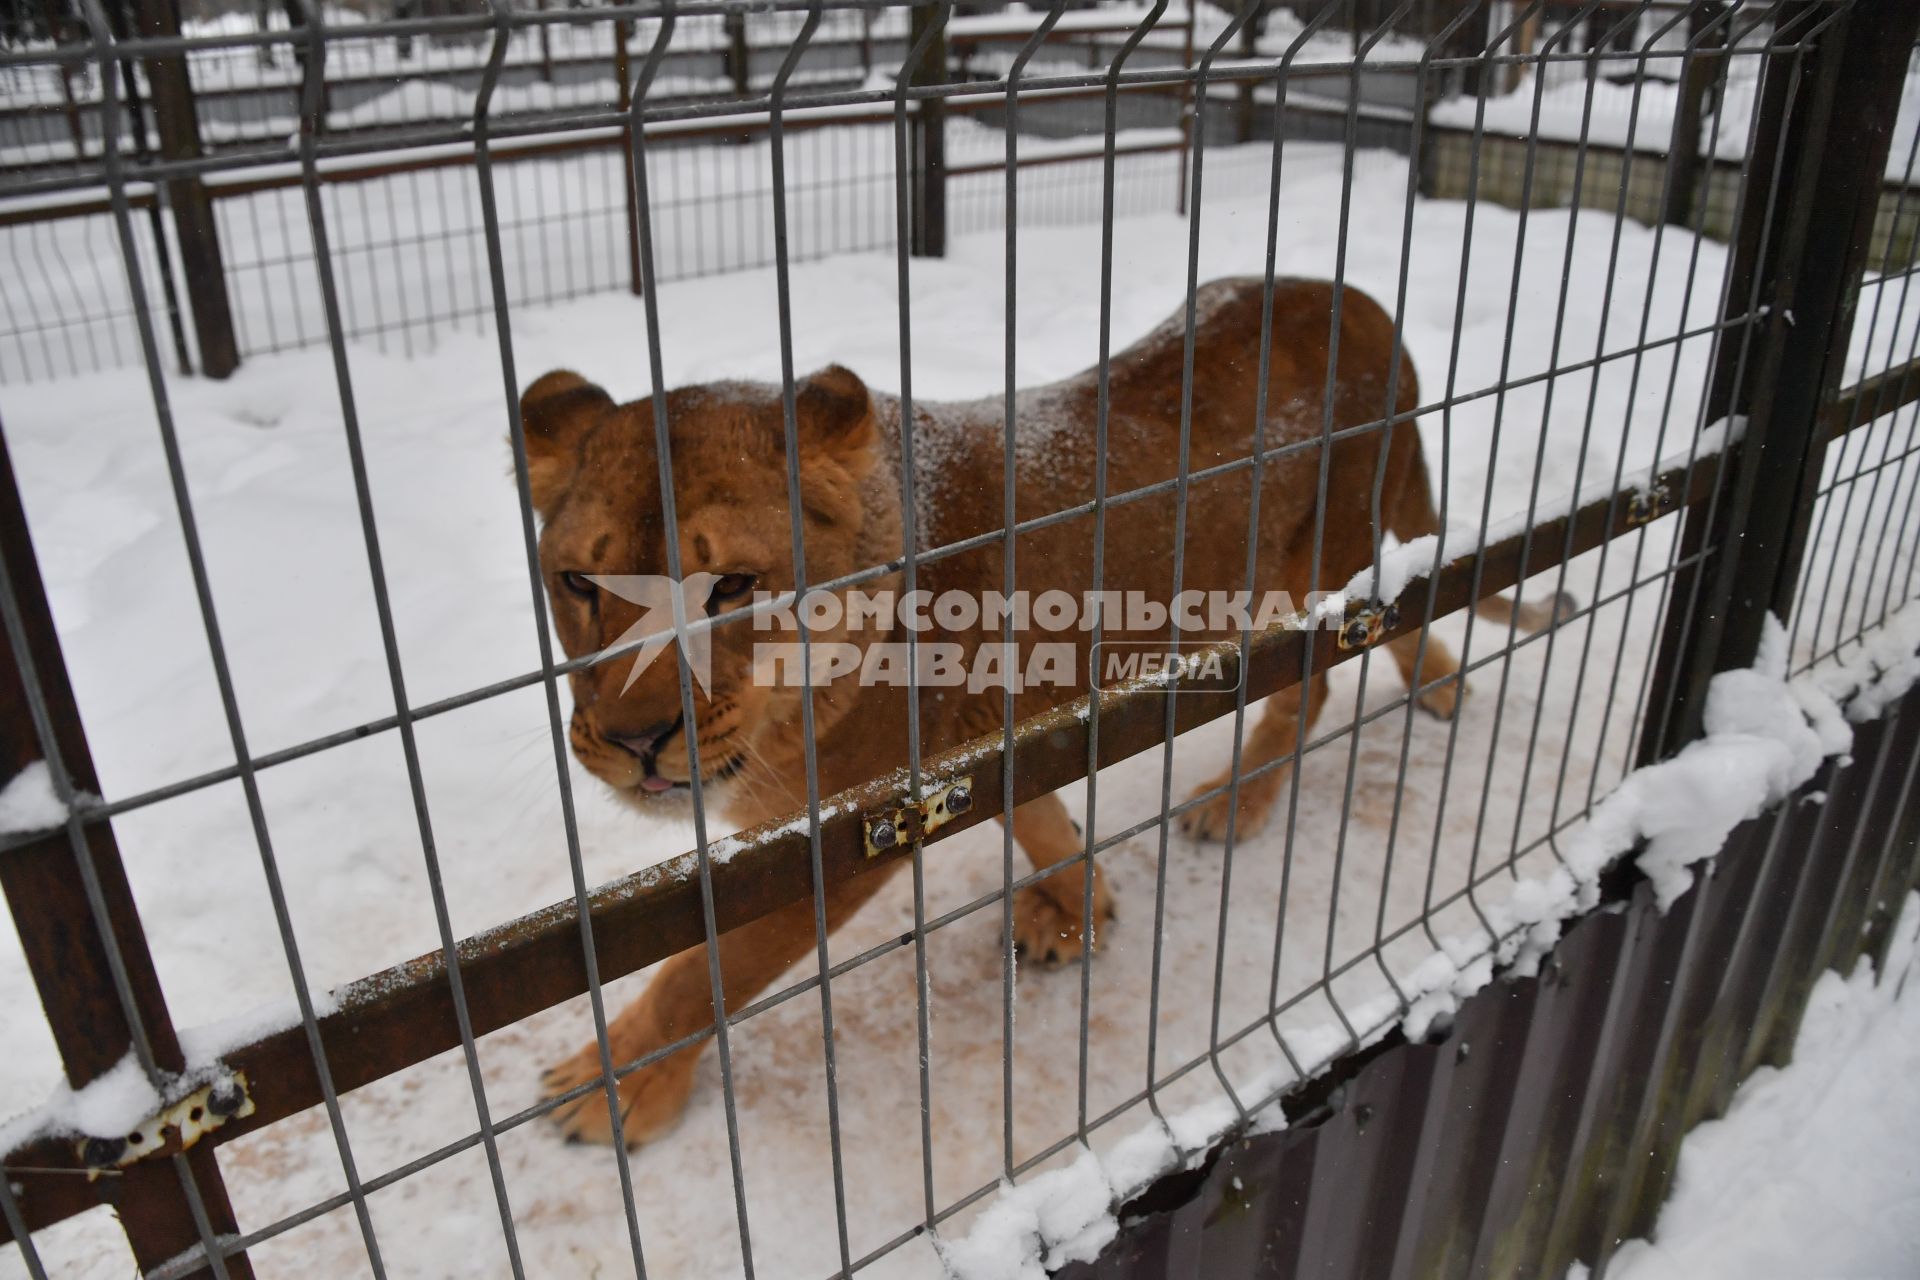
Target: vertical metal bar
x=1700 y=37
x=1763 y=522
x=312 y=104
x=1891 y=432
x=783 y=289
x=1499 y=419
x=670 y=523
x=1102 y=408
x=1329 y=397
x=1439 y=41
x=17 y=1228
x=1580 y=459
x=1196 y=91
x=516 y=434
x=929 y=35
x=1260 y=402
x=1243 y=21
x=1727 y=294
x=1446 y=450
x=203 y=590
x=1009 y=582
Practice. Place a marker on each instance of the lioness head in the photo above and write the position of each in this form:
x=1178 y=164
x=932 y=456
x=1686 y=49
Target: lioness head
x=594 y=478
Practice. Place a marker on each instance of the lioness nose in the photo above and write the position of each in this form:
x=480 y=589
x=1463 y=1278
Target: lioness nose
x=644 y=742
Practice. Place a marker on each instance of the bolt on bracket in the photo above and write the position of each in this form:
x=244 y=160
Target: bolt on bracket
x=1649 y=505
x=176 y=1128
x=892 y=828
x=1366 y=624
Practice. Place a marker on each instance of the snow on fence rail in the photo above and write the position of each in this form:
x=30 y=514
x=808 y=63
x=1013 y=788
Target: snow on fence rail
x=1691 y=459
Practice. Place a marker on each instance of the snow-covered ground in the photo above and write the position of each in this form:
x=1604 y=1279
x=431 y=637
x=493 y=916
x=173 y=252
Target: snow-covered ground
x=275 y=505
x=1815 y=1171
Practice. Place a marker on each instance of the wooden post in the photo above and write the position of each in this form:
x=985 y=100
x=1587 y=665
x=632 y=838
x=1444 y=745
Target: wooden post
x=193 y=221
x=929 y=150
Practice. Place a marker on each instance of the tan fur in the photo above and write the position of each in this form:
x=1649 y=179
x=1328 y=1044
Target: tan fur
x=596 y=488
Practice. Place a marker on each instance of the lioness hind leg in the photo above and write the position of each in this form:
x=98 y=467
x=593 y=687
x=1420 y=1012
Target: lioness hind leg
x=1049 y=916
x=1275 y=736
x=1441 y=699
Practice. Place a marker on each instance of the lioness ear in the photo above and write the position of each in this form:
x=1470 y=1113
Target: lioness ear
x=835 y=417
x=555 y=413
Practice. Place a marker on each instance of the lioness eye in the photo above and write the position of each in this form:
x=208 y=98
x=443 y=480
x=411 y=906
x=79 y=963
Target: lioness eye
x=578 y=583
x=730 y=587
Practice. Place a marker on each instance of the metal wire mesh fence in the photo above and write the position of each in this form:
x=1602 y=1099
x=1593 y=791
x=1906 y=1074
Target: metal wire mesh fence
x=1389 y=375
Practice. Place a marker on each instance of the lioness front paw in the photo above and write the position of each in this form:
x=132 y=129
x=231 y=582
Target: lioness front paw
x=1048 y=924
x=1208 y=819
x=1443 y=701
x=651 y=1098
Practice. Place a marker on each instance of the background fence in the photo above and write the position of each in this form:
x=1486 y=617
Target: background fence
x=408 y=218
x=1685 y=412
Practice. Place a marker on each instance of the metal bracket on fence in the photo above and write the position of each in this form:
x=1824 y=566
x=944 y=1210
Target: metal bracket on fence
x=1647 y=506
x=176 y=1128
x=891 y=828
x=1365 y=624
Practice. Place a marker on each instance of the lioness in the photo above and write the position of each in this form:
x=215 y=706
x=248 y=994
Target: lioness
x=595 y=486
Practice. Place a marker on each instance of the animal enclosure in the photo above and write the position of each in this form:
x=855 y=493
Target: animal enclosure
x=312 y=883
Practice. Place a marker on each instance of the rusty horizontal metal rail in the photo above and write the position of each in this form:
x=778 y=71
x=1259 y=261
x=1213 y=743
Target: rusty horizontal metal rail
x=405 y=1014
x=740 y=112
x=287 y=176
x=83 y=207
x=1884 y=393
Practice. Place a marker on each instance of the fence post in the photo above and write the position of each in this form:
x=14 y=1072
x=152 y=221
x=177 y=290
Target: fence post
x=1702 y=72
x=1800 y=256
x=193 y=221
x=739 y=56
x=56 y=32
x=156 y=221
x=66 y=952
x=929 y=135
x=546 y=46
